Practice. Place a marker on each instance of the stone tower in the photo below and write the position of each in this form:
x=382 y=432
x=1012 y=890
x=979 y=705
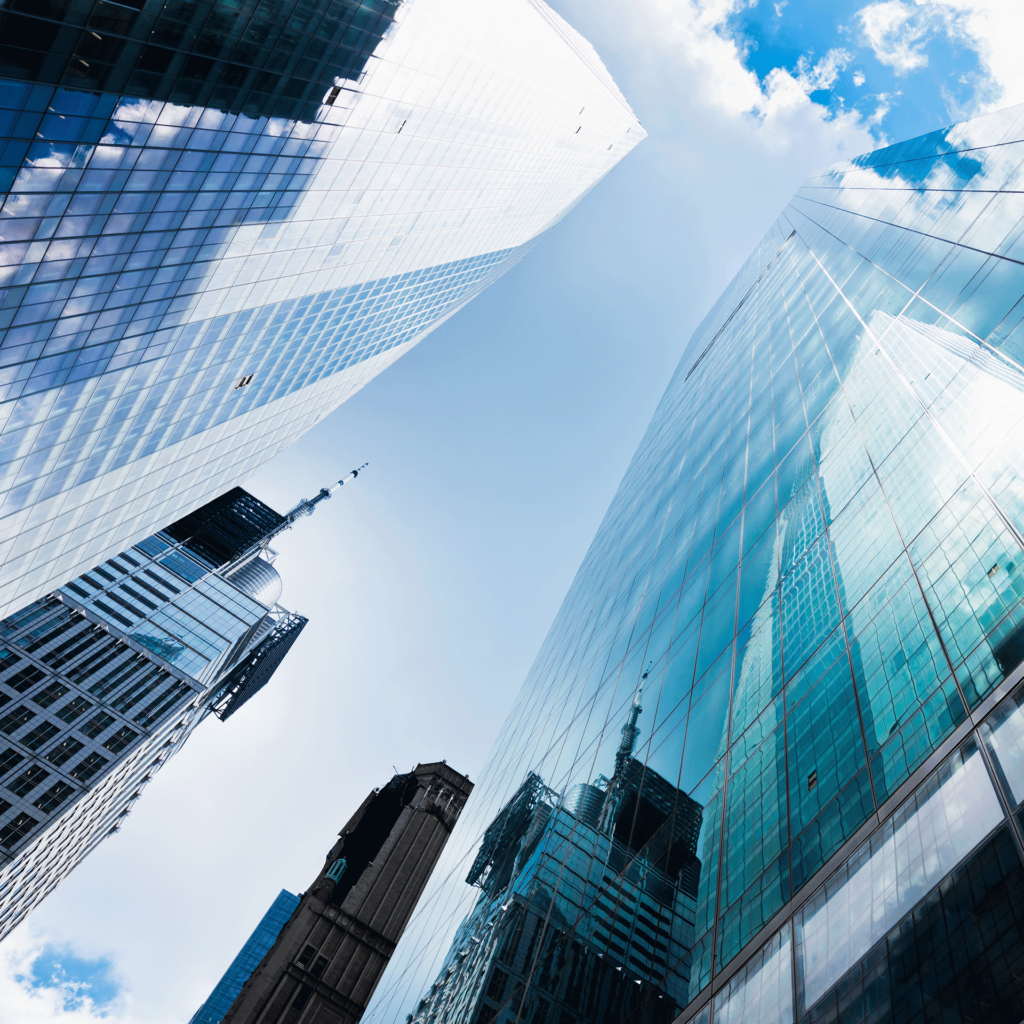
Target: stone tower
x=330 y=955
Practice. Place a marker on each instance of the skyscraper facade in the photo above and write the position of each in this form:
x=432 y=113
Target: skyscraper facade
x=219 y=220
x=249 y=957
x=330 y=954
x=814 y=566
x=106 y=678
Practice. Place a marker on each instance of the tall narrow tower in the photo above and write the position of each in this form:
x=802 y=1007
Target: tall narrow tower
x=330 y=955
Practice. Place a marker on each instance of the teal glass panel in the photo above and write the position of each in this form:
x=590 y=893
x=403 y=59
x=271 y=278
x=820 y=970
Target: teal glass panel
x=840 y=610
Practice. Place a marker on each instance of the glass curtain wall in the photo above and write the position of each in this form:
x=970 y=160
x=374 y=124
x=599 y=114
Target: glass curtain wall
x=248 y=959
x=813 y=571
x=218 y=220
x=102 y=681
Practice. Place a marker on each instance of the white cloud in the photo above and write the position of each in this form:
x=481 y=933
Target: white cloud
x=993 y=29
x=784 y=116
x=61 y=1001
x=881 y=109
x=823 y=75
x=898 y=32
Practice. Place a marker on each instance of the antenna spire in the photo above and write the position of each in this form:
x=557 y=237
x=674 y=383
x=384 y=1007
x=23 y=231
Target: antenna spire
x=630 y=732
x=307 y=506
x=623 y=756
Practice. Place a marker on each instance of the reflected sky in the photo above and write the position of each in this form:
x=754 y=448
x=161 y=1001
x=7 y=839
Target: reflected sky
x=813 y=560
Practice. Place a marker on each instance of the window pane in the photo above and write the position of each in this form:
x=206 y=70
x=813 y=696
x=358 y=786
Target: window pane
x=1004 y=736
x=944 y=820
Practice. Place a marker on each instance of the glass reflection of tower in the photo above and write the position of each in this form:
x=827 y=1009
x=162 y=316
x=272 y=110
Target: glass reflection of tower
x=818 y=550
x=587 y=904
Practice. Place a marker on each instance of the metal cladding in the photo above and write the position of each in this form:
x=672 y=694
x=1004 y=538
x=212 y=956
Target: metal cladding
x=255 y=671
x=260 y=580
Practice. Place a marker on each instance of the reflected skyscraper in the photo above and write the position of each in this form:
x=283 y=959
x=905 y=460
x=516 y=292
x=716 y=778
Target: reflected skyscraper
x=585 y=903
x=815 y=565
x=105 y=679
x=220 y=220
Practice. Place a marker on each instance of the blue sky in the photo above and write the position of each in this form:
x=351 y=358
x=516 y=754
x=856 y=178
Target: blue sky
x=78 y=980
x=912 y=61
x=44 y=982
x=494 y=449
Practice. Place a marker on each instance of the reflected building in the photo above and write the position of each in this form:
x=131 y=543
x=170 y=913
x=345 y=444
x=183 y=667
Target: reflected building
x=219 y=221
x=105 y=679
x=815 y=563
x=587 y=905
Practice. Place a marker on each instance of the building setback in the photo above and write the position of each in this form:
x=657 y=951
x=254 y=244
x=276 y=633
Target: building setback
x=330 y=955
x=106 y=678
x=815 y=567
x=221 y=220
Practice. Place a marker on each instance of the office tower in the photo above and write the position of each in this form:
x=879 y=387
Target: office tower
x=329 y=956
x=815 y=565
x=249 y=956
x=106 y=678
x=588 y=899
x=221 y=220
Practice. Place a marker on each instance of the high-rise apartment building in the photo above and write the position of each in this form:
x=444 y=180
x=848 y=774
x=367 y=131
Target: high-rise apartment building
x=219 y=220
x=104 y=679
x=815 y=567
x=331 y=952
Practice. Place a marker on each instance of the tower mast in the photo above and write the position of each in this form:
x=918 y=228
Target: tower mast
x=307 y=506
x=630 y=732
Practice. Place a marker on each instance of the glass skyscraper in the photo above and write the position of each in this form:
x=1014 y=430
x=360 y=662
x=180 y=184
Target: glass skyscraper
x=589 y=896
x=105 y=679
x=220 y=219
x=256 y=947
x=814 y=570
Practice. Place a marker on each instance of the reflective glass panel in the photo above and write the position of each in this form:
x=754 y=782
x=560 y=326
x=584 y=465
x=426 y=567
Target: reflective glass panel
x=934 y=830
